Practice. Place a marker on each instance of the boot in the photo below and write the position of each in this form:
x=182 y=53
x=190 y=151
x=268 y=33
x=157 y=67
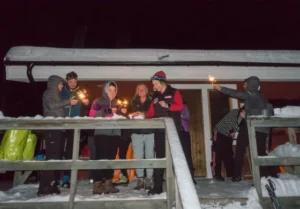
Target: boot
x=122 y=181
x=66 y=185
x=48 y=190
x=139 y=184
x=110 y=187
x=157 y=189
x=100 y=188
x=236 y=179
x=148 y=184
x=219 y=178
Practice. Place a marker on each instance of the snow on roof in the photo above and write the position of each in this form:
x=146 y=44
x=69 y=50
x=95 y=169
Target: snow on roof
x=290 y=71
x=29 y=53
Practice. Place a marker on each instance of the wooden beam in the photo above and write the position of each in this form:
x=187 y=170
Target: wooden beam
x=274 y=161
x=74 y=171
x=83 y=123
x=90 y=204
x=20 y=178
x=81 y=165
x=274 y=122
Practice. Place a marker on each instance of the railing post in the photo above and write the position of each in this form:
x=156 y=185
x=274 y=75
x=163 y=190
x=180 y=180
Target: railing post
x=178 y=204
x=74 y=171
x=253 y=154
x=170 y=177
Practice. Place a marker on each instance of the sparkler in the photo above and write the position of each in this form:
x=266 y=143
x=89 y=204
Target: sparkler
x=212 y=79
x=82 y=94
x=123 y=103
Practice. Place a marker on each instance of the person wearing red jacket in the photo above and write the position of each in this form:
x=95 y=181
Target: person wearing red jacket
x=166 y=102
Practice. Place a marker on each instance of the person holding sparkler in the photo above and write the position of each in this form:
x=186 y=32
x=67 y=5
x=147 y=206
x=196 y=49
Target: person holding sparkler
x=53 y=106
x=142 y=139
x=106 y=141
x=71 y=90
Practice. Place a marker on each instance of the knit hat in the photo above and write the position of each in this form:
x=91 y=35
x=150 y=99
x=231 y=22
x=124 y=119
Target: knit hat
x=253 y=83
x=160 y=76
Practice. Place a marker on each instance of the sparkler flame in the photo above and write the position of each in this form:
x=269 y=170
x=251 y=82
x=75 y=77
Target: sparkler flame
x=82 y=94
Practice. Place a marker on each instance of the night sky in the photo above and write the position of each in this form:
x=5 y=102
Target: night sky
x=185 y=24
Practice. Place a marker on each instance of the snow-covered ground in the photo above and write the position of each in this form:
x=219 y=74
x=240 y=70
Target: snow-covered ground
x=286 y=185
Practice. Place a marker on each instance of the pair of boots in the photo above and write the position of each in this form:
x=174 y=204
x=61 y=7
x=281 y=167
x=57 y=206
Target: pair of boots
x=104 y=187
x=48 y=190
x=142 y=183
x=65 y=183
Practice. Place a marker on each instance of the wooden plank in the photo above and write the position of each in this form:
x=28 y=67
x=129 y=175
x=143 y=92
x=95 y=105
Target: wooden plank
x=93 y=123
x=74 y=172
x=81 y=165
x=194 y=102
x=170 y=178
x=20 y=178
x=273 y=161
x=292 y=135
x=285 y=202
x=115 y=204
x=253 y=150
x=274 y=122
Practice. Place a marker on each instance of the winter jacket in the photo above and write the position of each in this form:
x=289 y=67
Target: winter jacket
x=173 y=98
x=53 y=105
x=185 y=117
x=101 y=107
x=254 y=101
x=74 y=110
x=137 y=106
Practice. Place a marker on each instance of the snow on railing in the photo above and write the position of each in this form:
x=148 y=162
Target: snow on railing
x=187 y=191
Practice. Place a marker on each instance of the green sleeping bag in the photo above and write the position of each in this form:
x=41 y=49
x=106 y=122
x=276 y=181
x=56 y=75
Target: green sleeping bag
x=29 y=149
x=13 y=144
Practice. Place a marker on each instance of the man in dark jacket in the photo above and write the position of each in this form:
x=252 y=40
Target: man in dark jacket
x=53 y=106
x=71 y=90
x=255 y=103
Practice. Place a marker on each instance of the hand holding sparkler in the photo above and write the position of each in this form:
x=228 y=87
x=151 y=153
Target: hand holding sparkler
x=212 y=79
x=82 y=95
x=123 y=104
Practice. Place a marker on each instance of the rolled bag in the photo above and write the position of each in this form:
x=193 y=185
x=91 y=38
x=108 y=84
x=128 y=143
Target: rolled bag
x=18 y=145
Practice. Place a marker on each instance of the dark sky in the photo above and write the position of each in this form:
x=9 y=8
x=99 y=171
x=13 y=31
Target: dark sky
x=184 y=24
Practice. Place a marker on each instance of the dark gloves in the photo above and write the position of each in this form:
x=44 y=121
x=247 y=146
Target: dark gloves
x=107 y=111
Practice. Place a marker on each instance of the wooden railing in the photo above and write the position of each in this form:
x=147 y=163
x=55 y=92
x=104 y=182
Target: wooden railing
x=256 y=161
x=181 y=192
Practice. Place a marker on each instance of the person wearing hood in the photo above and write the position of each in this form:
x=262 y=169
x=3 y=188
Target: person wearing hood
x=254 y=103
x=106 y=141
x=53 y=106
x=71 y=90
x=166 y=102
x=142 y=139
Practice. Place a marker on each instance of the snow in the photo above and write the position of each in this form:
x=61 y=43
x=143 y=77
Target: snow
x=186 y=187
x=286 y=150
x=288 y=111
x=138 y=73
x=30 y=53
x=39 y=117
x=27 y=193
x=286 y=185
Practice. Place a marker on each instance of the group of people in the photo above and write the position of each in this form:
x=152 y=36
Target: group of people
x=60 y=100
x=233 y=127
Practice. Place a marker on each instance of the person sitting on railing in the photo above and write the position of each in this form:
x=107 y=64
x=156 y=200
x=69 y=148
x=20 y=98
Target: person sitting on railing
x=255 y=103
x=166 y=102
x=142 y=139
x=53 y=106
x=106 y=141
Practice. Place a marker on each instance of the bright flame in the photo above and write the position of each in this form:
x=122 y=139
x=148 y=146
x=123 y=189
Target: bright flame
x=211 y=78
x=82 y=94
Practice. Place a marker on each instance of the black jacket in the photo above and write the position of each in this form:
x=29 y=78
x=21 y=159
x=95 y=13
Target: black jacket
x=137 y=106
x=254 y=101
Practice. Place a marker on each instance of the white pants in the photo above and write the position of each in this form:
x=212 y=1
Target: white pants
x=143 y=147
